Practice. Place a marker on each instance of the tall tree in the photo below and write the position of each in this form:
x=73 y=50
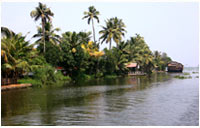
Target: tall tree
x=114 y=29
x=91 y=15
x=121 y=54
x=43 y=13
x=74 y=59
x=157 y=60
x=50 y=34
x=140 y=53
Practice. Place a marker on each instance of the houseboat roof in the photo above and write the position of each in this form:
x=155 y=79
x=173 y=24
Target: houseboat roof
x=174 y=63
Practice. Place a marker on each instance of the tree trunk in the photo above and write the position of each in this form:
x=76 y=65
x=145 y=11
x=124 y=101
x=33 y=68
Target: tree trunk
x=93 y=31
x=43 y=31
x=110 y=45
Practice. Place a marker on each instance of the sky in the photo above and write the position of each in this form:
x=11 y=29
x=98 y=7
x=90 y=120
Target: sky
x=171 y=27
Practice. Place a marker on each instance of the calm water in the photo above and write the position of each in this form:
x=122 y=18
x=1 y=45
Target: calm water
x=159 y=100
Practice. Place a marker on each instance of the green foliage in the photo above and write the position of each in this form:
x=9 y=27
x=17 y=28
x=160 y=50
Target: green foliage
x=182 y=77
x=53 y=54
x=74 y=59
x=161 y=60
x=34 y=82
x=48 y=76
x=82 y=77
x=5 y=32
x=114 y=30
x=110 y=76
x=107 y=62
x=90 y=15
x=186 y=73
x=69 y=52
x=51 y=38
x=140 y=53
x=16 y=55
x=45 y=14
x=113 y=62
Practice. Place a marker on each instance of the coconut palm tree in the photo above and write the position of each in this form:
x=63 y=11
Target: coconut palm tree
x=43 y=13
x=16 y=56
x=121 y=56
x=140 y=53
x=114 y=30
x=50 y=35
x=90 y=15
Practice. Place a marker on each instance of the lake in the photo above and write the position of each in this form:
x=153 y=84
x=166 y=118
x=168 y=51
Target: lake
x=157 y=100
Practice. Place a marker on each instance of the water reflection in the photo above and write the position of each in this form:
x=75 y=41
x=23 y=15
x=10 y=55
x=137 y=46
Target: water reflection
x=123 y=101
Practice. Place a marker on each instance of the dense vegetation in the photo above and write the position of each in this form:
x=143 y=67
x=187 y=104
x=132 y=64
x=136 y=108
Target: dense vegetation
x=76 y=53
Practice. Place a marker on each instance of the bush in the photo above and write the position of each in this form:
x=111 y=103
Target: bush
x=99 y=74
x=61 y=79
x=47 y=75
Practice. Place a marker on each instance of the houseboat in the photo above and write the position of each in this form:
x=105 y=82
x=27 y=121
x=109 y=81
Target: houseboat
x=174 y=66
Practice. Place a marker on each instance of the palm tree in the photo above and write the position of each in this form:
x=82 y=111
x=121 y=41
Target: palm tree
x=50 y=35
x=121 y=56
x=16 y=54
x=114 y=30
x=5 y=32
x=140 y=53
x=92 y=14
x=43 y=13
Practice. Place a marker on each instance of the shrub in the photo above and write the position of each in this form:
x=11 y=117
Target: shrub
x=47 y=75
x=183 y=77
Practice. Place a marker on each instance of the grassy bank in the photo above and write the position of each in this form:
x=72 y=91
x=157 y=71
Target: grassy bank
x=40 y=83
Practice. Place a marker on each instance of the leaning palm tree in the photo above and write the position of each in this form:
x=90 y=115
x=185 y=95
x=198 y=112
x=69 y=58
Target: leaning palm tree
x=43 y=13
x=92 y=14
x=114 y=30
x=49 y=35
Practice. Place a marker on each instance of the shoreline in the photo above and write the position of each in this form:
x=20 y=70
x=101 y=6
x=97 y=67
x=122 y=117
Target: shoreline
x=14 y=86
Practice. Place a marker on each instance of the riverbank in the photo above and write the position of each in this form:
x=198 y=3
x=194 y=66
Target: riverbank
x=14 y=86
